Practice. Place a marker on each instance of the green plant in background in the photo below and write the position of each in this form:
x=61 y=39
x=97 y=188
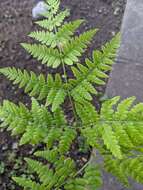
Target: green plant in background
x=116 y=133
x=2 y=167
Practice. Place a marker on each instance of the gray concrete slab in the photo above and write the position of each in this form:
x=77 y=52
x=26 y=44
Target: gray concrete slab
x=132 y=33
x=126 y=79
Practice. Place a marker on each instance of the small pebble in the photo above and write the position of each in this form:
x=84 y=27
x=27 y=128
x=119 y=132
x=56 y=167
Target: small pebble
x=15 y=145
x=5 y=147
x=117 y=11
x=39 y=9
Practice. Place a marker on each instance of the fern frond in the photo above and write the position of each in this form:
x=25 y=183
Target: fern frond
x=93 y=176
x=57 y=94
x=14 y=117
x=48 y=56
x=45 y=174
x=45 y=37
x=125 y=125
x=67 y=30
x=64 y=168
x=113 y=166
x=52 y=137
x=36 y=125
x=91 y=180
x=62 y=36
x=133 y=168
x=56 y=21
x=59 y=118
x=126 y=168
x=110 y=140
x=66 y=140
x=52 y=90
x=49 y=155
x=123 y=108
x=87 y=113
x=53 y=6
x=74 y=48
x=50 y=178
x=93 y=72
x=28 y=184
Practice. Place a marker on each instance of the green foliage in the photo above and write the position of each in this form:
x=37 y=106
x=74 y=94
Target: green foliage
x=52 y=90
x=91 y=180
x=49 y=178
x=62 y=110
x=62 y=36
x=62 y=169
x=34 y=124
x=2 y=167
x=120 y=133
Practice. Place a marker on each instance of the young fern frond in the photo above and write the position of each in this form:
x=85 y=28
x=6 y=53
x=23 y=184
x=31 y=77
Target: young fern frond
x=53 y=6
x=53 y=22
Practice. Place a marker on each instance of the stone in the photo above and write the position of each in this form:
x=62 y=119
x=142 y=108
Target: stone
x=39 y=9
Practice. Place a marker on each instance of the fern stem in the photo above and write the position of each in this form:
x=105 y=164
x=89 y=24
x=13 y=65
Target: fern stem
x=79 y=171
x=66 y=80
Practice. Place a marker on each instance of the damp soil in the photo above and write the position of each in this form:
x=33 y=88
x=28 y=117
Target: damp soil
x=15 y=23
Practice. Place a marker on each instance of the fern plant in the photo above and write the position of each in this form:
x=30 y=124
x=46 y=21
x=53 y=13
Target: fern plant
x=116 y=133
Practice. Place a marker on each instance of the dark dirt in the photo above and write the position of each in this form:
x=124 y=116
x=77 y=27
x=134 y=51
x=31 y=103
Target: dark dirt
x=15 y=24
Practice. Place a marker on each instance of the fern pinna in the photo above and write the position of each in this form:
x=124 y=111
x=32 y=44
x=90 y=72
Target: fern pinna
x=116 y=133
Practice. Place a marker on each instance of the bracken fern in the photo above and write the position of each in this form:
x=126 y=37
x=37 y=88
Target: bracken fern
x=116 y=133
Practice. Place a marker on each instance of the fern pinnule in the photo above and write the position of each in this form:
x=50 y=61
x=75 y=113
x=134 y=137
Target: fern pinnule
x=111 y=141
x=66 y=140
x=50 y=155
x=27 y=183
